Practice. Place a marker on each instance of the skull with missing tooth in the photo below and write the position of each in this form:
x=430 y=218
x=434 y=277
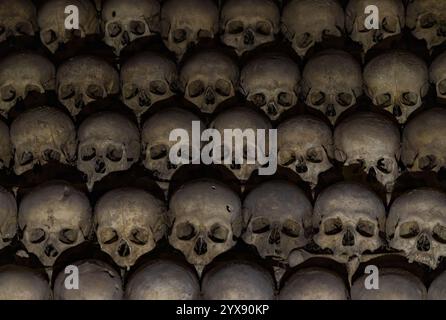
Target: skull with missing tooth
x=350 y=219
x=207 y=221
x=41 y=135
x=208 y=79
x=21 y=74
x=248 y=24
x=84 y=79
x=331 y=83
x=397 y=81
x=5 y=146
x=8 y=217
x=307 y=22
x=416 y=226
x=18 y=18
x=185 y=22
x=305 y=145
x=54 y=218
x=277 y=214
x=271 y=82
x=108 y=142
x=128 y=223
x=127 y=21
x=437 y=75
x=22 y=283
x=51 y=19
x=392 y=21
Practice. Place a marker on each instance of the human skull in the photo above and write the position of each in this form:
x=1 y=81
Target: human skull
x=21 y=283
x=208 y=79
x=416 y=226
x=5 y=146
x=21 y=74
x=146 y=79
x=42 y=135
x=156 y=144
x=97 y=281
x=437 y=75
x=392 y=21
x=108 y=142
x=305 y=145
x=185 y=22
x=277 y=214
x=84 y=79
x=397 y=81
x=52 y=219
x=51 y=18
x=271 y=82
x=207 y=220
x=427 y=20
x=372 y=141
x=129 y=222
x=238 y=280
x=18 y=18
x=331 y=83
x=127 y=21
x=349 y=219
x=8 y=217
x=307 y=22
x=437 y=289
x=245 y=25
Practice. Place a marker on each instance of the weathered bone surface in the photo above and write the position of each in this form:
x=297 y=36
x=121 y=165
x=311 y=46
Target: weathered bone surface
x=5 y=146
x=437 y=75
x=21 y=283
x=437 y=289
x=18 y=18
x=8 y=217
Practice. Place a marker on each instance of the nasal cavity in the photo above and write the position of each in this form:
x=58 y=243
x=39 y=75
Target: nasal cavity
x=201 y=246
x=123 y=249
x=348 y=239
x=423 y=243
x=50 y=251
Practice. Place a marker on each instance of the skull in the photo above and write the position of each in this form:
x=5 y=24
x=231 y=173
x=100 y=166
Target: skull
x=5 y=146
x=84 y=79
x=416 y=226
x=437 y=75
x=427 y=20
x=238 y=280
x=331 y=83
x=397 y=81
x=207 y=221
x=18 y=18
x=98 y=281
x=271 y=83
x=394 y=284
x=277 y=214
x=349 y=219
x=146 y=79
x=42 y=135
x=108 y=142
x=392 y=21
x=53 y=218
x=437 y=289
x=51 y=19
x=128 y=223
x=307 y=22
x=127 y=21
x=156 y=144
x=314 y=284
x=305 y=145
x=21 y=283
x=8 y=218
x=248 y=24
x=185 y=22
x=21 y=74
x=163 y=280
x=372 y=141
x=209 y=78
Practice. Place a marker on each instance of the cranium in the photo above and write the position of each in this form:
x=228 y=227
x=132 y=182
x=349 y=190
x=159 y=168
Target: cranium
x=8 y=218
x=397 y=81
x=21 y=74
x=5 y=146
x=437 y=75
x=248 y=24
x=84 y=79
x=18 y=18
x=437 y=289
x=331 y=83
x=209 y=78
x=128 y=223
x=21 y=283
x=42 y=135
x=52 y=219
x=108 y=142
x=271 y=82
x=307 y=22
x=207 y=221
x=185 y=22
x=305 y=145
x=127 y=21
x=51 y=19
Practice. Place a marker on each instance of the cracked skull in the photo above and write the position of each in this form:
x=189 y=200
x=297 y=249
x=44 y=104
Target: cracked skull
x=5 y=146
x=8 y=217
x=18 y=18
x=22 y=283
x=437 y=75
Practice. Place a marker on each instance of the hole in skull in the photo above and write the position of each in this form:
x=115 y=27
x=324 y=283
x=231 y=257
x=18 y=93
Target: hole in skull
x=384 y=165
x=139 y=236
x=196 y=88
x=129 y=91
x=348 y=240
x=344 y=99
x=179 y=35
x=158 y=87
x=144 y=99
x=333 y=226
x=185 y=231
x=37 y=235
x=390 y=24
x=384 y=100
x=423 y=243
x=427 y=162
x=68 y=236
x=442 y=87
x=286 y=157
x=108 y=236
x=260 y=225
x=51 y=155
x=201 y=246
x=291 y=228
x=315 y=155
x=115 y=153
x=218 y=233
x=24 y=28
x=317 y=98
x=123 y=249
x=26 y=158
x=137 y=27
x=285 y=99
x=8 y=93
x=99 y=166
x=304 y=40
x=428 y=20
x=409 y=99
x=235 y=27
x=51 y=251
x=158 y=152
x=264 y=28
x=114 y=29
x=223 y=87
x=95 y=92
x=409 y=229
x=259 y=99
x=88 y=153
x=49 y=36
x=365 y=228
x=439 y=233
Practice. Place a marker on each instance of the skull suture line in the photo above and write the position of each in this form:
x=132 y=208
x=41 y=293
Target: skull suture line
x=437 y=75
x=5 y=146
x=8 y=217
x=307 y=22
x=18 y=18
x=21 y=283
x=41 y=135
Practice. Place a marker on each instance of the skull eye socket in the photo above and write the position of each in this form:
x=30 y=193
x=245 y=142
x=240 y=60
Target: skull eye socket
x=66 y=91
x=51 y=155
x=196 y=88
x=390 y=24
x=218 y=233
x=88 y=153
x=317 y=98
x=409 y=99
x=37 y=235
x=315 y=155
x=114 y=29
x=428 y=21
x=108 y=236
x=442 y=87
x=185 y=231
x=427 y=162
x=263 y=28
x=344 y=99
x=409 y=230
x=129 y=91
x=26 y=158
x=384 y=100
x=332 y=226
x=179 y=35
x=114 y=153
x=439 y=233
x=95 y=92
x=286 y=157
x=235 y=27
x=291 y=228
x=49 y=36
x=8 y=93
x=158 y=87
x=24 y=28
x=384 y=165
x=365 y=228
x=304 y=40
x=223 y=87
x=260 y=225
x=285 y=99
x=259 y=99
x=139 y=236
x=68 y=236
x=137 y=27
x=158 y=152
